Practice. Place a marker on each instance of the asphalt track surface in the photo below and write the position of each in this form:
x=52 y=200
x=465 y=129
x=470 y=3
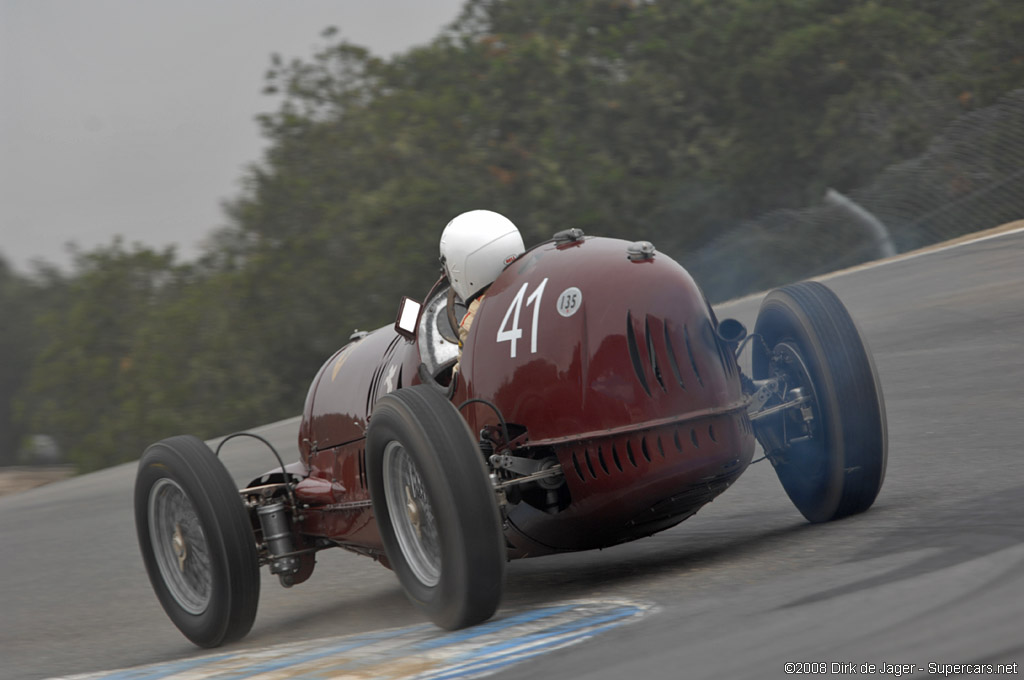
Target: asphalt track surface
x=932 y=574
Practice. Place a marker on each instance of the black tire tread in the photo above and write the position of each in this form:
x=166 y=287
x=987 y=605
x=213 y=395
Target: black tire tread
x=471 y=517
x=849 y=377
x=228 y=531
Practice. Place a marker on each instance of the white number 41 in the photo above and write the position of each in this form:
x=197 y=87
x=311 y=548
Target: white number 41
x=513 y=334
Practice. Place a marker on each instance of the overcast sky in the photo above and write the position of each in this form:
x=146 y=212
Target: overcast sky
x=136 y=117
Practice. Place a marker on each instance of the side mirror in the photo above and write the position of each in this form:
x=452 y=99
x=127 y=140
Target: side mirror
x=408 y=318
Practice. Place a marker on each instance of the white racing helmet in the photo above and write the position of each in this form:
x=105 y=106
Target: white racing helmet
x=475 y=247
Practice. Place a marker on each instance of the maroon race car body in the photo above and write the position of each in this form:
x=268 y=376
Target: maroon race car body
x=603 y=401
x=631 y=392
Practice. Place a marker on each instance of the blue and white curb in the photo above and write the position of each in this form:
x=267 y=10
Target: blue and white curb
x=419 y=652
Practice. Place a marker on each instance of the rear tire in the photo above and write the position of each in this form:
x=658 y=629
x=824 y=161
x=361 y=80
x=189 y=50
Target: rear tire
x=836 y=467
x=197 y=541
x=435 y=507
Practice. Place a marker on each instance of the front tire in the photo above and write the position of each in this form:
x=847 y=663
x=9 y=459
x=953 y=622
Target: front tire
x=197 y=541
x=435 y=507
x=831 y=465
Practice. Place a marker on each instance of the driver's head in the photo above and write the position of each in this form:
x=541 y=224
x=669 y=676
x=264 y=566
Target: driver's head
x=475 y=247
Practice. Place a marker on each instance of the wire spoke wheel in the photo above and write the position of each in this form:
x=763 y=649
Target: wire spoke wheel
x=830 y=456
x=435 y=507
x=197 y=541
x=179 y=546
x=411 y=514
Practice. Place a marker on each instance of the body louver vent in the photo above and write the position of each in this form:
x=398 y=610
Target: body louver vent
x=657 y=363
x=634 y=354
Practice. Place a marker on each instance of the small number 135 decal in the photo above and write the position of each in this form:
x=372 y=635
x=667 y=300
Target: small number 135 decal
x=569 y=301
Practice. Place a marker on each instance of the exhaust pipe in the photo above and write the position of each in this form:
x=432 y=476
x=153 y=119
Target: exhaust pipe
x=731 y=332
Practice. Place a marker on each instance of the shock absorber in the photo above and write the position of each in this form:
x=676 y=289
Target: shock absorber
x=277 y=533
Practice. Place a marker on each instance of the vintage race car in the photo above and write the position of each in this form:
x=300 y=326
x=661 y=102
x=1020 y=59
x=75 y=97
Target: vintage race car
x=596 y=400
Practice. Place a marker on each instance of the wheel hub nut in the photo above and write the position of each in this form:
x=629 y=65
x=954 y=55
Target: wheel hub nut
x=180 y=547
x=412 y=509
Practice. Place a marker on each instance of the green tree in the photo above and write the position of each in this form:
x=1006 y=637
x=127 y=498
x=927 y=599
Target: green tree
x=668 y=121
x=16 y=308
x=82 y=374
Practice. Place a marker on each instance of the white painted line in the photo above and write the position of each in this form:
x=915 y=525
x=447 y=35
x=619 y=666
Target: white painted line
x=881 y=263
x=914 y=254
